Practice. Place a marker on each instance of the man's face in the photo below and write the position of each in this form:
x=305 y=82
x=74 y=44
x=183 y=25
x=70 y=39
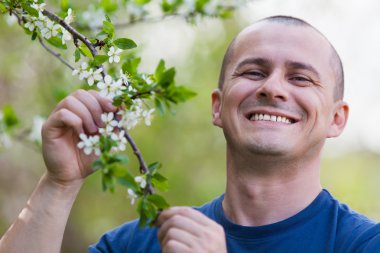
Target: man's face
x=278 y=95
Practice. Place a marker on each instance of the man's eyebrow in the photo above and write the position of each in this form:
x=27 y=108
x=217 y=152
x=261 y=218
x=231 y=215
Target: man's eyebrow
x=254 y=61
x=301 y=65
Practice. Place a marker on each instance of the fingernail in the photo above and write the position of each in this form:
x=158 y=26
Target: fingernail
x=110 y=106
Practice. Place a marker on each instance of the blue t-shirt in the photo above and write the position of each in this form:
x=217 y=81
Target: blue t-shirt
x=324 y=226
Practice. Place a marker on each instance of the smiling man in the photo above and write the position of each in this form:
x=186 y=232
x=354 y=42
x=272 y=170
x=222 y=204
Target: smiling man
x=279 y=99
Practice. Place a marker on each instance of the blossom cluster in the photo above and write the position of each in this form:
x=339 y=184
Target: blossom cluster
x=48 y=28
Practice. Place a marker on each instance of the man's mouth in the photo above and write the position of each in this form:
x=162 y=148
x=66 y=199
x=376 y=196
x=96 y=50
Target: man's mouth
x=269 y=117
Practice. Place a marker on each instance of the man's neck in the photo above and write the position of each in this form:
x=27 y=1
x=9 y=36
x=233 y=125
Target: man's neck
x=256 y=199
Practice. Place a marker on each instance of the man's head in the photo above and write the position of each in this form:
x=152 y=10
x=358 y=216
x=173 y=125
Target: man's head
x=336 y=62
x=281 y=90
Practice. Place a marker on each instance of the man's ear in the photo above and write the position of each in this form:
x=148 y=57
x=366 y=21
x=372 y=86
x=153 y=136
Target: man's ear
x=339 y=119
x=216 y=99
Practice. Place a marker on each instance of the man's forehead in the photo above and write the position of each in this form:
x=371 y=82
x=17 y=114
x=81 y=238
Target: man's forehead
x=301 y=38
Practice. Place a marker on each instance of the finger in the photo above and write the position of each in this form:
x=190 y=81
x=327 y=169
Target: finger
x=179 y=222
x=178 y=235
x=105 y=103
x=62 y=118
x=183 y=211
x=92 y=104
x=173 y=246
x=72 y=104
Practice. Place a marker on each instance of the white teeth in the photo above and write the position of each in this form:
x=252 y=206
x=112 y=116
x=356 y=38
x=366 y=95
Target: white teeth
x=267 y=117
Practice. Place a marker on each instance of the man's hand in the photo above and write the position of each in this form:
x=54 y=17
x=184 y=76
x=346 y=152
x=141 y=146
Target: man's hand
x=184 y=229
x=78 y=113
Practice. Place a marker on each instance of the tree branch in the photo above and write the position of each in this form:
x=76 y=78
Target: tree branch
x=143 y=167
x=70 y=29
x=51 y=51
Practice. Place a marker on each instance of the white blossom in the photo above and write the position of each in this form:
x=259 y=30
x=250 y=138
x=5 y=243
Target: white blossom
x=41 y=21
x=35 y=133
x=135 y=10
x=190 y=4
x=70 y=17
x=39 y=7
x=147 y=79
x=124 y=78
x=147 y=114
x=66 y=35
x=120 y=139
x=110 y=88
x=132 y=195
x=114 y=54
x=89 y=144
x=50 y=29
x=82 y=71
x=130 y=118
x=93 y=17
x=94 y=76
x=141 y=180
x=31 y=24
x=109 y=122
x=211 y=7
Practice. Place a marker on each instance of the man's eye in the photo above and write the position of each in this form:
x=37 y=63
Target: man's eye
x=254 y=74
x=301 y=80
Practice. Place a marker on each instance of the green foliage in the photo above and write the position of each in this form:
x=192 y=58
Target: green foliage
x=124 y=43
x=56 y=42
x=95 y=47
x=10 y=118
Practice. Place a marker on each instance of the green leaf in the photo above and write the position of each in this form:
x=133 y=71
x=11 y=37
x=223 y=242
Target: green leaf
x=181 y=94
x=158 y=201
x=108 y=28
x=57 y=42
x=77 y=55
x=160 y=182
x=118 y=170
x=65 y=5
x=167 y=78
x=3 y=8
x=108 y=183
x=129 y=181
x=109 y=5
x=153 y=167
x=159 y=70
x=100 y=59
x=85 y=51
x=160 y=105
x=31 y=11
x=121 y=158
x=97 y=165
x=131 y=65
x=124 y=43
x=34 y=35
x=10 y=117
x=101 y=36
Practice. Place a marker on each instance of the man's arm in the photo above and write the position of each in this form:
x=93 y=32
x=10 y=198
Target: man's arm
x=41 y=224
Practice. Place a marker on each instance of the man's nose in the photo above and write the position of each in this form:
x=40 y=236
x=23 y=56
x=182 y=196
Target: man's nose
x=273 y=88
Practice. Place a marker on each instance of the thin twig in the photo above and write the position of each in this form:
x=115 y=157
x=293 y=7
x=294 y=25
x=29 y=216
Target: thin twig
x=71 y=30
x=143 y=167
x=76 y=35
x=54 y=53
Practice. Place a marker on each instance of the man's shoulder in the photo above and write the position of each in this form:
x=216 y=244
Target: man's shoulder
x=128 y=237
x=355 y=232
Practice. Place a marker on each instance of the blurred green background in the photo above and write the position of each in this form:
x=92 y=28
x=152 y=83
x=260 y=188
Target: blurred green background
x=190 y=148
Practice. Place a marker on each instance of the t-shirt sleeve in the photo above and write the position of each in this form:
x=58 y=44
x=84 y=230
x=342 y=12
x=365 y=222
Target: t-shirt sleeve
x=116 y=240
